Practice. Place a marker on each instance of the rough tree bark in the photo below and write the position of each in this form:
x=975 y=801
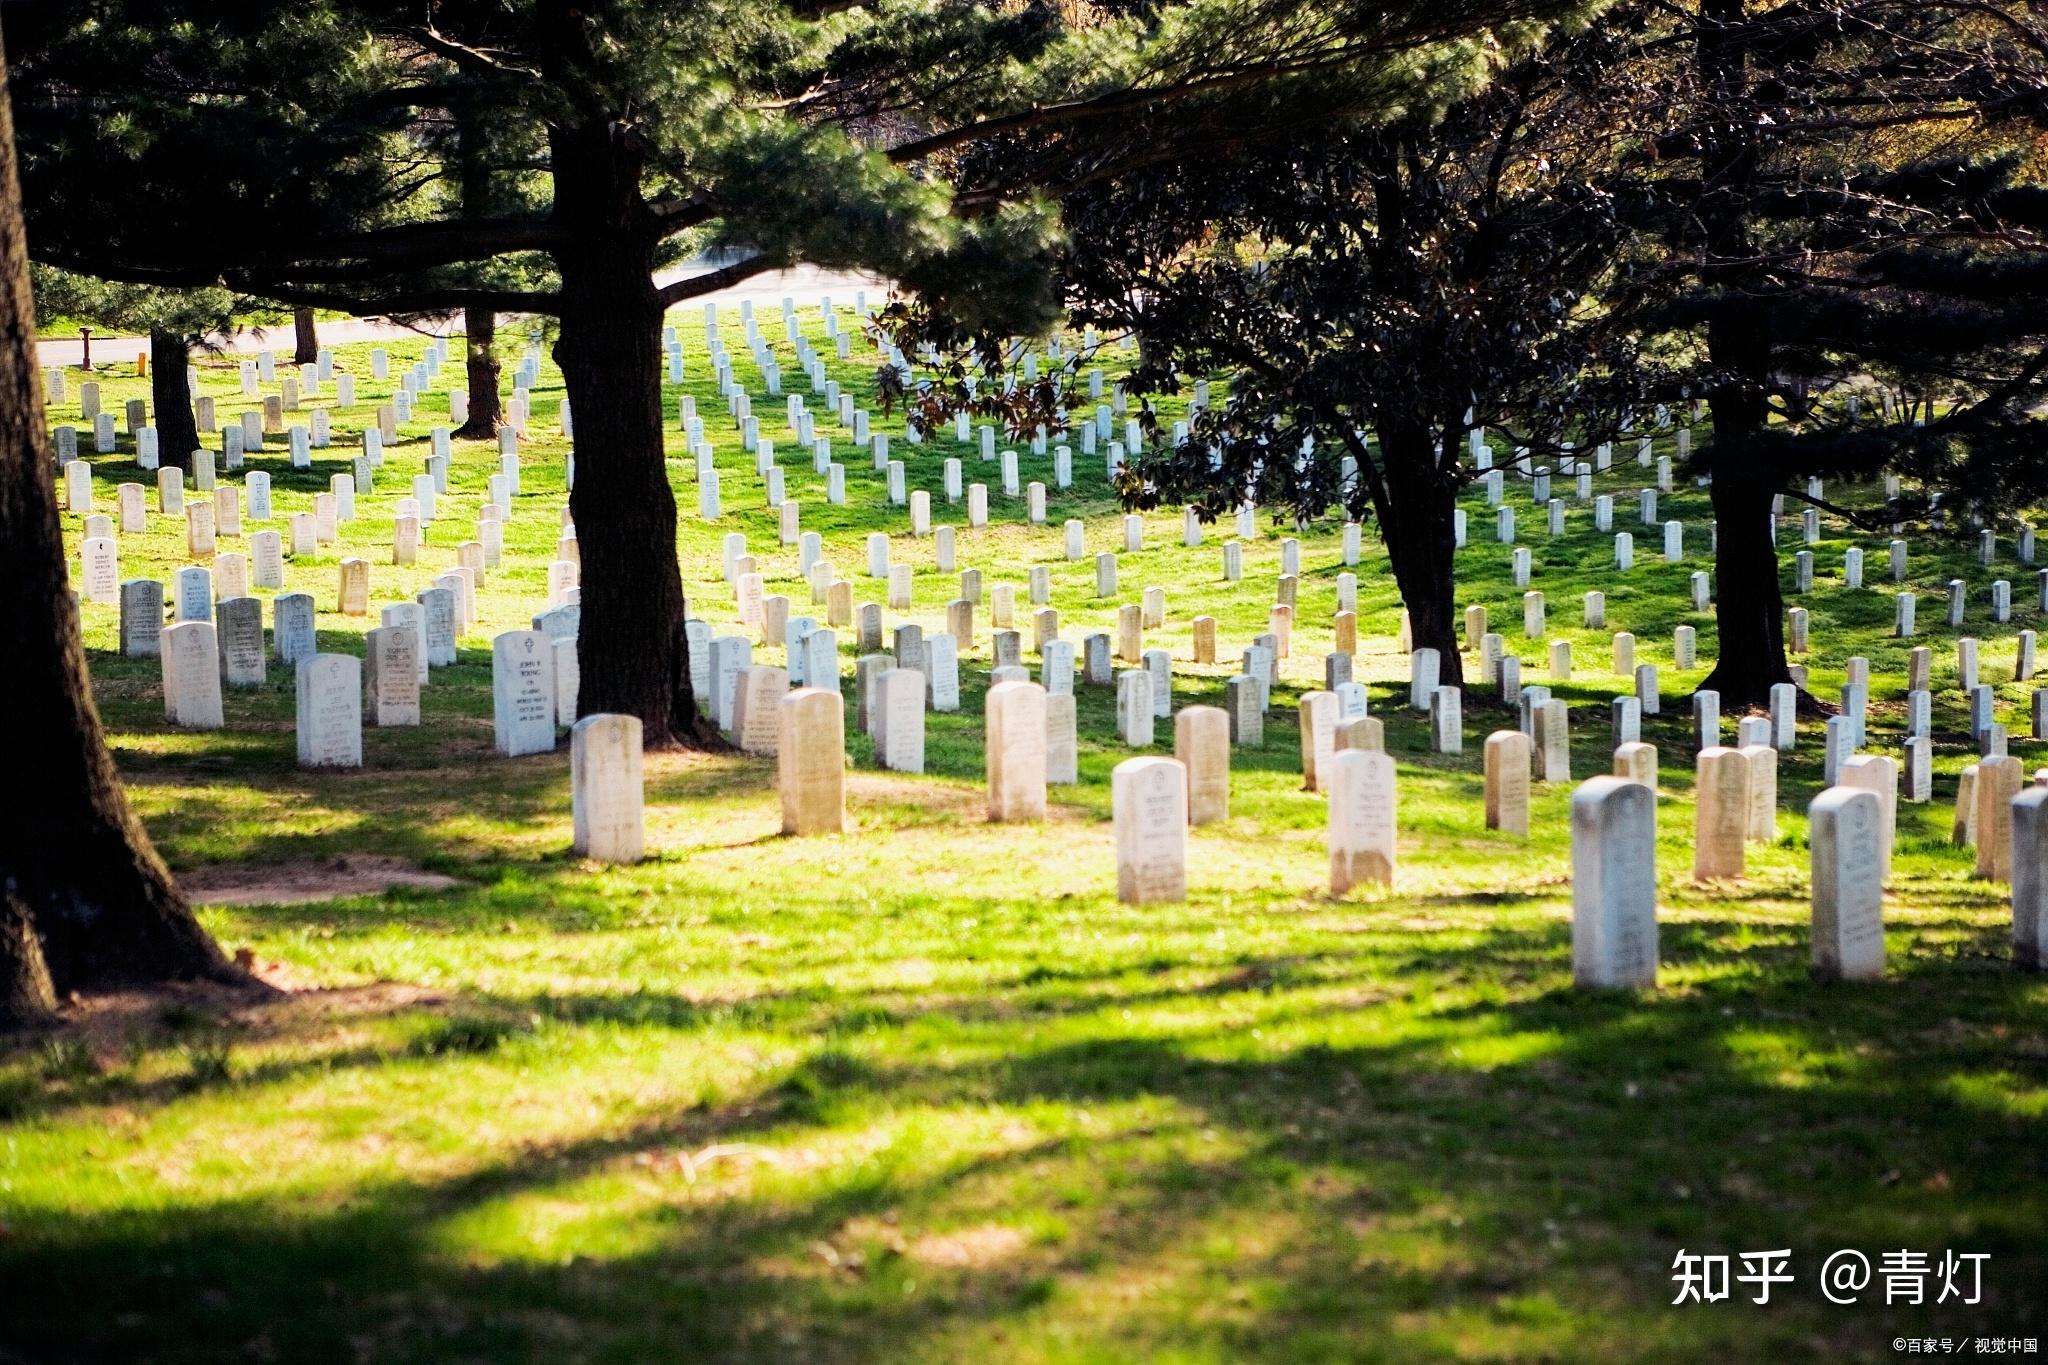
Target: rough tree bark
x=170 y=398
x=1749 y=605
x=1749 y=609
x=480 y=336
x=305 y=337
x=1416 y=523
x=84 y=900
x=479 y=325
x=632 y=648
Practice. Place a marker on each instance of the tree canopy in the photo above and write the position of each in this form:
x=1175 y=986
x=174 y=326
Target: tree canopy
x=301 y=151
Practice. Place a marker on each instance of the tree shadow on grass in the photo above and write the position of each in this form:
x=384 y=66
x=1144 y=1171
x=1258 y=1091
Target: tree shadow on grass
x=1517 y=1174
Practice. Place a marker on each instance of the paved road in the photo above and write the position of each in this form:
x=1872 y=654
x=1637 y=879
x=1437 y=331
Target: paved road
x=805 y=283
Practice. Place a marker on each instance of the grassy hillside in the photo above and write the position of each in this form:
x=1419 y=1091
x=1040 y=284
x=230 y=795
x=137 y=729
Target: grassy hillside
x=925 y=1091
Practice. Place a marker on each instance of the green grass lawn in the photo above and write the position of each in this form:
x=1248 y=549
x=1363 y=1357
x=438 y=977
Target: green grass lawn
x=926 y=1092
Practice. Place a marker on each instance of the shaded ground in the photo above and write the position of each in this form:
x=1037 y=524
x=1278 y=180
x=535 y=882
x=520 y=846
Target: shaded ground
x=926 y=1092
x=291 y=883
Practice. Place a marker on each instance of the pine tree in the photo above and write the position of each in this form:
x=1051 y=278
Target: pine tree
x=1375 y=293
x=827 y=134
x=176 y=321
x=84 y=900
x=1838 y=194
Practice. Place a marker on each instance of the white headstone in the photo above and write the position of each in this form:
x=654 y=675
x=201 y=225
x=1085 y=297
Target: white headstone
x=1848 y=884
x=1149 y=803
x=239 y=621
x=391 y=676
x=606 y=790
x=1614 y=883
x=1362 y=819
x=522 y=690
x=330 y=711
x=1015 y=729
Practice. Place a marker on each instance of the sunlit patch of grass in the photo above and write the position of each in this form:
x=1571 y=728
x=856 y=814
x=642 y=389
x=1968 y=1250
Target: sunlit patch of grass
x=2003 y=1092
x=926 y=1092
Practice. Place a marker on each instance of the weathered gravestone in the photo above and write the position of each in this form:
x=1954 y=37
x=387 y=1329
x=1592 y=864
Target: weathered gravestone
x=1134 y=707
x=756 y=717
x=1062 y=735
x=330 y=711
x=810 y=760
x=1998 y=782
x=231 y=574
x=1614 y=883
x=897 y=713
x=1848 y=884
x=194 y=588
x=1552 y=739
x=1362 y=819
x=2030 y=878
x=1318 y=724
x=354 y=589
x=1507 y=763
x=1201 y=741
x=1015 y=727
x=1149 y=810
x=100 y=568
x=1878 y=775
x=1763 y=792
x=437 y=623
x=391 y=675
x=239 y=622
x=191 y=675
x=1423 y=679
x=1362 y=732
x=1243 y=699
x=1721 y=813
x=1963 y=829
x=410 y=616
x=1446 y=720
x=942 y=672
x=142 y=617
x=1637 y=762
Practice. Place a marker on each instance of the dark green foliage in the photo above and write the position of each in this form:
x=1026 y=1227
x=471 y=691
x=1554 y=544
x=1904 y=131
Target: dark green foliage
x=465 y=1033
x=1833 y=200
x=1411 y=279
x=327 y=153
x=194 y=314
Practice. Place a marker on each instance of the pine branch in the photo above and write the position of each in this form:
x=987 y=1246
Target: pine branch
x=712 y=281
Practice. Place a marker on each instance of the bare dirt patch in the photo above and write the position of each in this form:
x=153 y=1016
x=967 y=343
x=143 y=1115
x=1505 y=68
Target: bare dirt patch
x=968 y=1248
x=272 y=1007
x=297 y=883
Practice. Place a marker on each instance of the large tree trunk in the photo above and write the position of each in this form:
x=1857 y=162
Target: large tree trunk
x=1422 y=542
x=479 y=325
x=170 y=393
x=1749 y=606
x=632 y=649
x=305 y=337
x=480 y=338
x=27 y=994
x=84 y=900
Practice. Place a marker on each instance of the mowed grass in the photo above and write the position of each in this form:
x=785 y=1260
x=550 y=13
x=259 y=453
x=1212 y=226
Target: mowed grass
x=926 y=1092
